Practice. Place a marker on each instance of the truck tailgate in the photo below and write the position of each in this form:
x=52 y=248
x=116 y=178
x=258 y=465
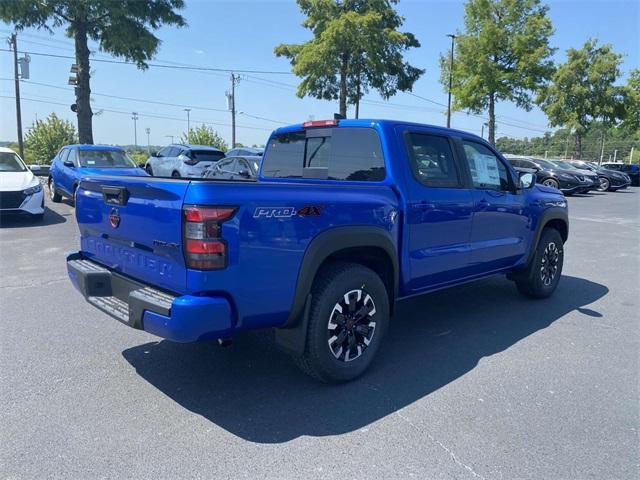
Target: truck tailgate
x=133 y=225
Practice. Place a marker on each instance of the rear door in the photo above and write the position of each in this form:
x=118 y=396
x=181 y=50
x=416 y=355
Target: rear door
x=439 y=210
x=133 y=225
x=499 y=231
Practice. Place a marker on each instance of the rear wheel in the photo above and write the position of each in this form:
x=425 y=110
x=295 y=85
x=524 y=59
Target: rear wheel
x=53 y=194
x=149 y=170
x=348 y=318
x=604 y=184
x=543 y=274
x=175 y=174
x=550 y=182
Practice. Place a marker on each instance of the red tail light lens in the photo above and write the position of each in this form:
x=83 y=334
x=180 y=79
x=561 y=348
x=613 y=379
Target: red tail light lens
x=204 y=247
x=320 y=123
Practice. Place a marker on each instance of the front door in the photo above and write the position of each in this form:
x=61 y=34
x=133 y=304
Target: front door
x=439 y=211
x=501 y=217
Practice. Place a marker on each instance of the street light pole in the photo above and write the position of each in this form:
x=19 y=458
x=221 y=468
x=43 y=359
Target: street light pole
x=134 y=117
x=453 y=43
x=188 y=124
x=170 y=136
x=148 y=130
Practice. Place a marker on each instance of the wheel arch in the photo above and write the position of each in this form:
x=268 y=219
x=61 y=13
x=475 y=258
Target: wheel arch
x=370 y=246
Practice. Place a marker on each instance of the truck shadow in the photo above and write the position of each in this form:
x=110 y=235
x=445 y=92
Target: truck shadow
x=253 y=390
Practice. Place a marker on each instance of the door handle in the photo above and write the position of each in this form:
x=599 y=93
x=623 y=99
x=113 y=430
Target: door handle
x=483 y=204
x=424 y=206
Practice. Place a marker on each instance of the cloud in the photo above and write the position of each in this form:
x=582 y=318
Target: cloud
x=199 y=52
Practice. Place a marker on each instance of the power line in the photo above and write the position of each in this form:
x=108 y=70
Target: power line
x=158 y=65
x=143 y=114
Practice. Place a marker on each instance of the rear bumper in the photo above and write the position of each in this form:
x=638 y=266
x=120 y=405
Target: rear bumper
x=180 y=318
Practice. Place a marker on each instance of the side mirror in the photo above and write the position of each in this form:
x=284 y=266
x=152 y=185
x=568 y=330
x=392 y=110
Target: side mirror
x=526 y=180
x=154 y=153
x=244 y=173
x=68 y=163
x=34 y=168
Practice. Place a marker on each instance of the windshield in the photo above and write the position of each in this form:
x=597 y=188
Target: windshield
x=10 y=162
x=566 y=165
x=545 y=164
x=105 y=159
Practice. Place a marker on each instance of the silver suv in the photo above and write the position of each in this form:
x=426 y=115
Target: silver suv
x=179 y=160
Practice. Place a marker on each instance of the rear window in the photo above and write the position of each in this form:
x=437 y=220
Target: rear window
x=331 y=154
x=206 y=155
x=105 y=159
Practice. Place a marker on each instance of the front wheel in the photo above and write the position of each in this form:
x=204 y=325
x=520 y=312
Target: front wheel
x=175 y=174
x=149 y=170
x=543 y=274
x=604 y=184
x=348 y=318
x=550 y=182
x=53 y=194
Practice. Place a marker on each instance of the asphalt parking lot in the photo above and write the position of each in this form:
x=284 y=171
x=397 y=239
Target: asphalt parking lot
x=472 y=382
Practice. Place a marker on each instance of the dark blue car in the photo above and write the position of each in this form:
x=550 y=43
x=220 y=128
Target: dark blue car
x=74 y=162
x=345 y=218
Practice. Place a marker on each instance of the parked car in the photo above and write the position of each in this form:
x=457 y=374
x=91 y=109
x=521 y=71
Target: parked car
x=245 y=151
x=177 y=160
x=74 y=162
x=552 y=175
x=336 y=229
x=630 y=169
x=588 y=175
x=234 y=168
x=610 y=180
x=20 y=190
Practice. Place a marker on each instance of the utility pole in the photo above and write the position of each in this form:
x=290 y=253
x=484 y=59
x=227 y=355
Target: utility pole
x=566 y=147
x=231 y=100
x=148 y=130
x=601 y=150
x=453 y=43
x=134 y=117
x=188 y=125
x=13 y=41
x=615 y=154
x=631 y=154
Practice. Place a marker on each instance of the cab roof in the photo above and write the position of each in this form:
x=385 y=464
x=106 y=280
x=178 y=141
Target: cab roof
x=385 y=123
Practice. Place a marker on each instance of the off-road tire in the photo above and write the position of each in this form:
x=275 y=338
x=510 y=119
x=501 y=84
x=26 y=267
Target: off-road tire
x=543 y=274
x=332 y=283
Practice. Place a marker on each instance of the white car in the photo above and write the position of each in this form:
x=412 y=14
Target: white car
x=178 y=161
x=20 y=189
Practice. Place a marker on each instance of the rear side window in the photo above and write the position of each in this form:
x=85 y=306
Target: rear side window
x=334 y=154
x=432 y=160
x=206 y=155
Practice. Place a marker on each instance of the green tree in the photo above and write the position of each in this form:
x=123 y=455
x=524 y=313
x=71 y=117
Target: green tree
x=503 y=54
x=204 y=135
x=631 y=120
x=121 y=27
x=356 y=46
x=583 y=91
x=46 y=137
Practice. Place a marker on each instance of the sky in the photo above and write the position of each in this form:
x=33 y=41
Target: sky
x=241 y=35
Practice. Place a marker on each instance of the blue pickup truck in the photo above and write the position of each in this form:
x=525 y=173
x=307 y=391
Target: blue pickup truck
x=345 y=219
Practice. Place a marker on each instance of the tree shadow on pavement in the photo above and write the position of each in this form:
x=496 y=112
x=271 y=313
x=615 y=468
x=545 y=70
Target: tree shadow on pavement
x=253 y=390
x=19 y=221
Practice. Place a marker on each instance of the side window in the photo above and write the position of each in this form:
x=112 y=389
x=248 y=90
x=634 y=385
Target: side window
x=73 y=156
x=432 y=160
x=528 y=164
x=162 y=152
x=64 y=153
x=487 y=171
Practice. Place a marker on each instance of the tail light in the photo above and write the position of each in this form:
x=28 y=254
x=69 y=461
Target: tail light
x=190 y=161
x=320 y=123
x=204 y=247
